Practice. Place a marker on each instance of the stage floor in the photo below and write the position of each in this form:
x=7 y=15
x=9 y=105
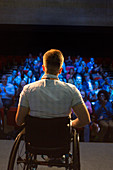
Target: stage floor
x=94 y=156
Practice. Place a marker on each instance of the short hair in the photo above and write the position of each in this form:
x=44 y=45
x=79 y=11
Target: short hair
x=4 y=75
x=106 y=94
x=53 y=61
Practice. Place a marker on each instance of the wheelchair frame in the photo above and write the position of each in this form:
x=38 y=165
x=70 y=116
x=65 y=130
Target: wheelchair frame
x=27 y=158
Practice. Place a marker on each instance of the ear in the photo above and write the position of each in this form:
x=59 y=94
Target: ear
x=43 y=67
x=60 y=70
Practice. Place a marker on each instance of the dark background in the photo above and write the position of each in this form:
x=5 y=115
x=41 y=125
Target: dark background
x=72 y=40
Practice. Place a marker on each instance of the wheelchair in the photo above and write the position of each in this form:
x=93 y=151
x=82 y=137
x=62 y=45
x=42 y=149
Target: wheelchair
x=45 y=142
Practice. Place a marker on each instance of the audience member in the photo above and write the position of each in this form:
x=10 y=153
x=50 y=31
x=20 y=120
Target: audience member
x=11 y=78
x=103 y=110
x=64 y=68
x=89 y=107
x=90 y=64
x=87 y=83
x=82 y=68
x=69 y=62
x=7 y=92
x=93 y=95
x=76 y=63
x=62 y=78
x=71 y=81
x=30 y=77
x=111 y=92
x=96 y=72
x=30 y=60
x=78 y=82
x=36 y=69
x=71 y=74
x=20 y=88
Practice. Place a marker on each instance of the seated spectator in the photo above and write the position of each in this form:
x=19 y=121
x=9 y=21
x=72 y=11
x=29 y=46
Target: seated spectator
x=12 y=77
x=71 y=81
x=76 y=63
x=71 y=74
x=36 y=69
x=64 y=68
x=111 y=91
x=40 y=58
x=62 y=78
x=69 y=62
x=30 y=60
x=105 y=83
x=96 y=68
x=103 y=110
x=78 y=82
x=20 y=88
x=90 y=65
x=96 y=72
x=30 y=77
x=105 y=75
x=82 y=68
x=87 y=127
x=7 y=92
x=93 y=95
x=39 y=64
x=87 y=83
x=26 y=64
x=17 y=80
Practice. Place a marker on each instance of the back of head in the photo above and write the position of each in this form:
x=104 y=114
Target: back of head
x=53 y=61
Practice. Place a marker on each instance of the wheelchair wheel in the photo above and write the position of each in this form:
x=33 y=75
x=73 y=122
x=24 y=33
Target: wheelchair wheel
x=76 y=153
x=19 y=159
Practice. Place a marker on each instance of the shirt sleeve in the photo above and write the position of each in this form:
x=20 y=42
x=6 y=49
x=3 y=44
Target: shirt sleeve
x=76 y=97
x=23 y=100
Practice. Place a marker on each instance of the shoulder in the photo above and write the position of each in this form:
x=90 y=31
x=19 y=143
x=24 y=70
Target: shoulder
x=72 y=88
x=31 y=86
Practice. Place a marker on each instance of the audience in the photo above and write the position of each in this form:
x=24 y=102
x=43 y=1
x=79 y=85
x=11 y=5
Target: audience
x=87 y=76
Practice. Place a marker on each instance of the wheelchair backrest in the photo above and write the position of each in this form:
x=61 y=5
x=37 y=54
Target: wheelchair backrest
x=48 y=132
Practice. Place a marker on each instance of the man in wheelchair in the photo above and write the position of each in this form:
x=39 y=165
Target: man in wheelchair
x=45 y=106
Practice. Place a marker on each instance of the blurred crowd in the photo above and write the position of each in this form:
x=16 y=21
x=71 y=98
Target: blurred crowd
x=94 y=84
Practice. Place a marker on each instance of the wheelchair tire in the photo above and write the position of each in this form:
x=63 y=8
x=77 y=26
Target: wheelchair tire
x=76 y=152
x=12 y=164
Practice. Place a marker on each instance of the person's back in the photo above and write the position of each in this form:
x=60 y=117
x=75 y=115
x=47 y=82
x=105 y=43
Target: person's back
x=50 y=97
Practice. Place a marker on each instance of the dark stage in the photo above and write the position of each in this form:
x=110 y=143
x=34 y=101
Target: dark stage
x=94 y=156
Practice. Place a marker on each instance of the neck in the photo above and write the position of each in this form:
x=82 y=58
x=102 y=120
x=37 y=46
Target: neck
x=52 y=74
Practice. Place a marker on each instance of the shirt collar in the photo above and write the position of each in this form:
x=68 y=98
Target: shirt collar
x=49 y=76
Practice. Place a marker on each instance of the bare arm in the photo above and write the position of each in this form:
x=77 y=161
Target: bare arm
x=83 y=116
x=22 y=112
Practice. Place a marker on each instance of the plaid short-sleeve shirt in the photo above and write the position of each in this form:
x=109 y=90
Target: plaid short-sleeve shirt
x=48 y=98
